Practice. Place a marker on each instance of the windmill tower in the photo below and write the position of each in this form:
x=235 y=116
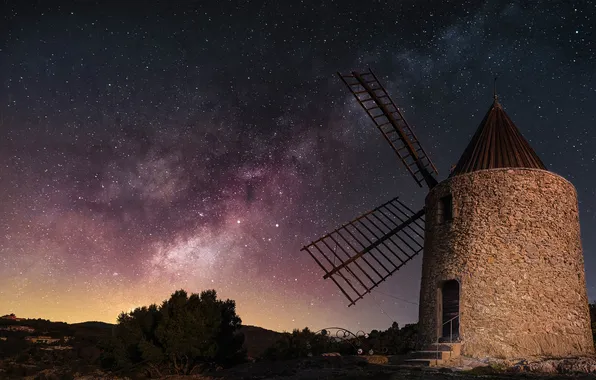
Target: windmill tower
x=503 y=269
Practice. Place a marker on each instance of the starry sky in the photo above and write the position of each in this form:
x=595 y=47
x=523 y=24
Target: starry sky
x=150 y=148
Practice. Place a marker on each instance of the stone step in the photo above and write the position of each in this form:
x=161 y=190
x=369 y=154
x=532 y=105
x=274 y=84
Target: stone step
x=437 y=347
x=423 y=362
x=453 y=348
x=440 y=355
x=454 y=339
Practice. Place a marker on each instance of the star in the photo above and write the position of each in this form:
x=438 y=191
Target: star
x=146 y=150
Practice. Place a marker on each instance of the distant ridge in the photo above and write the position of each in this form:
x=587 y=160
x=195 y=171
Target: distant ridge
x=94 y=324
x=258 y=339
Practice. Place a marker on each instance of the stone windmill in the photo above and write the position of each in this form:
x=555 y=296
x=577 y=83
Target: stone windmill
x=503 y=270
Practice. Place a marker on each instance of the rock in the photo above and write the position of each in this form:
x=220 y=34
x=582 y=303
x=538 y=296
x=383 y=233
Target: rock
x=559 y=366
x=543 y=367
x=585 y=365
x=377 y=359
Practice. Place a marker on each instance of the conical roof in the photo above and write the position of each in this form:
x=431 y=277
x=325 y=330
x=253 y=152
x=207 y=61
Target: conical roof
x=497 y=144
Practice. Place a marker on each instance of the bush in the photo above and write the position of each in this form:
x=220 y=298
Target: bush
x=178 y=335
x=393 y=341
x=13 y=346
x=300 y=344
x=22 y=358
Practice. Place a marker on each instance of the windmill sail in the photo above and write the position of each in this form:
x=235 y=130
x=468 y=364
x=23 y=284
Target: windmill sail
x=363 y=253
x=371 y=95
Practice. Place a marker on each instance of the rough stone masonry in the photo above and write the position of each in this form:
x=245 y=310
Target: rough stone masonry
x=514 y=246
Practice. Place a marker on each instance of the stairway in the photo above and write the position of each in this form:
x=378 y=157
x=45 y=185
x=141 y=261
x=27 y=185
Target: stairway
x=434 y=354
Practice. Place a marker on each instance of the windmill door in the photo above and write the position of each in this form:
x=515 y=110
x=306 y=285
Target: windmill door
x=450 y=298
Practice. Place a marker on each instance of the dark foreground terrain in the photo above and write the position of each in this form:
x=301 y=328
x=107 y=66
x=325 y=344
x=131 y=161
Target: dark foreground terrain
x=74 y=351
x=354 y=367
x=347 y=367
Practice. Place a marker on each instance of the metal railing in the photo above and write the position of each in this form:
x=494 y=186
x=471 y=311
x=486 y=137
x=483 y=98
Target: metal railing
x=450 y=336
x=356 y=340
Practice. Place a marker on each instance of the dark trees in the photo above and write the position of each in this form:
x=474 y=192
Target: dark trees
x=180 y=334
x=300 y=344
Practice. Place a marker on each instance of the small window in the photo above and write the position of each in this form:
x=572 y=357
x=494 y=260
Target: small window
x=445 y=209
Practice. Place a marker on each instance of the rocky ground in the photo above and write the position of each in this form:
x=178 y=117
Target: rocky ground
x=383 y=367
x=578 y=365
x=377 y=368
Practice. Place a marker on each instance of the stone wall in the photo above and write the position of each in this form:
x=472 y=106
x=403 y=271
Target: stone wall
x=514 y=246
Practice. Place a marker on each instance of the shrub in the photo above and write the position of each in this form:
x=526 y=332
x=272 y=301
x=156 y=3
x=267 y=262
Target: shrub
x=395 y=341
x=300 y=344
x=178 y=335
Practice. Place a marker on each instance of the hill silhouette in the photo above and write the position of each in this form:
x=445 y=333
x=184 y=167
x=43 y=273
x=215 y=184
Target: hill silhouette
x=93 y=324
x=258 y=339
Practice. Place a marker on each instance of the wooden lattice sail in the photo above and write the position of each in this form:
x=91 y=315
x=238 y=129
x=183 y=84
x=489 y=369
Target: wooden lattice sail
x=364 y=252
x=377 y=103
x=361 y=254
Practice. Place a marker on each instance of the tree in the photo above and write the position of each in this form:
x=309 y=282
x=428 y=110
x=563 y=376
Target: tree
x=394 y=341
x=301 y=344
x=180 y=334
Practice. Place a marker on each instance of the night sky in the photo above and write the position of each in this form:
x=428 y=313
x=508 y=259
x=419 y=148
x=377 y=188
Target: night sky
x=150 y=148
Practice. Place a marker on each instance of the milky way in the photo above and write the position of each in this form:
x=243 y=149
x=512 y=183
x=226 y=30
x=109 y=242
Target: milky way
x=148 y=149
